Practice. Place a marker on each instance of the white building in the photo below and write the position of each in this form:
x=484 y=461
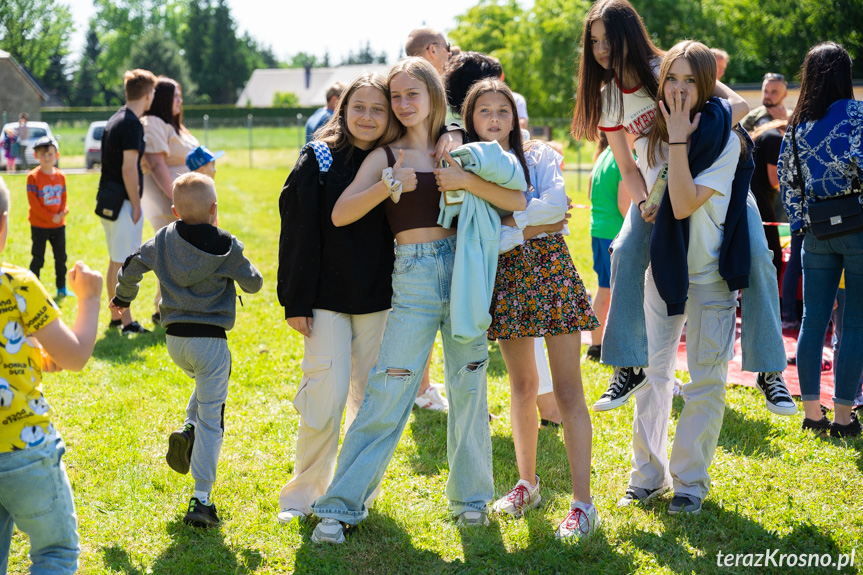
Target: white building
x=310 y=87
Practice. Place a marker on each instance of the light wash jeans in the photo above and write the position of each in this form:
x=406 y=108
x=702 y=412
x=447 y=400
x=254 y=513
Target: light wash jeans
x=208 y=360
x=710 y=325
x=421 y=305
x=35 y=495
x=624 y=343
x=823 y=261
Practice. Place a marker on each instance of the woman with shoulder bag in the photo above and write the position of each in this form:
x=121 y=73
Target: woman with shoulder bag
x=819 y=175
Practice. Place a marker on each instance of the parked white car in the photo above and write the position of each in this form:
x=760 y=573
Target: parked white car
x=93 y=143
x=37 y=130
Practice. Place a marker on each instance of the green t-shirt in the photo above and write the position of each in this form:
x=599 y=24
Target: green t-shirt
x=605 y=218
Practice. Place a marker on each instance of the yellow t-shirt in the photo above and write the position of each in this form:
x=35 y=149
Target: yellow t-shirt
x=25 y=307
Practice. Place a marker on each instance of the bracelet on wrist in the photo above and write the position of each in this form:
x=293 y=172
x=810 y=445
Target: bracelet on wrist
x=676 y=143
x=641 y=203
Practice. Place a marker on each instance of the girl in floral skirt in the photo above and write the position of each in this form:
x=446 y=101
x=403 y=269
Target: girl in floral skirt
x=538 y=293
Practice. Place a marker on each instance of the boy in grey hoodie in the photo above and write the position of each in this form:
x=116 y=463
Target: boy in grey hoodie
x=196 y=264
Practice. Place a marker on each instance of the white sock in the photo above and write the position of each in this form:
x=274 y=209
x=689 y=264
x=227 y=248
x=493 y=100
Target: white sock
x=203 y=497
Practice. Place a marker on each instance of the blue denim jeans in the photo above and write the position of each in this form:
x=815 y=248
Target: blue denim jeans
x=790 y=279
x=421 y=306
x=624 y=343
x=35 y=495
x=823 y=261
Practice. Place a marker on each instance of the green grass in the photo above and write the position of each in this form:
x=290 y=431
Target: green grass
x=774 y=487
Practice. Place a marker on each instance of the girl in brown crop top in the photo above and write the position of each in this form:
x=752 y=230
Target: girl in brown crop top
x=424 y=256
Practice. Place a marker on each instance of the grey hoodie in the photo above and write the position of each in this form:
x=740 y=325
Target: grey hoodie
x=197 y=284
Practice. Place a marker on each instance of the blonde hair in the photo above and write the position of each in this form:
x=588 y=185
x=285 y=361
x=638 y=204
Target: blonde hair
x=420 y=70
x=194 y=195
x=703 y=66
x=335 y=132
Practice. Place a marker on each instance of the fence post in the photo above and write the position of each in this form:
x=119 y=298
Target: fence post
x=206 y=130
x=250 y=140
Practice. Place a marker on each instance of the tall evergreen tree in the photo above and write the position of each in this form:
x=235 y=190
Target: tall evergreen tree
x=86 y=89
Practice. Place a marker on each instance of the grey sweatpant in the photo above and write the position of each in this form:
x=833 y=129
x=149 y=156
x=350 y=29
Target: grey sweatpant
x=208 y=360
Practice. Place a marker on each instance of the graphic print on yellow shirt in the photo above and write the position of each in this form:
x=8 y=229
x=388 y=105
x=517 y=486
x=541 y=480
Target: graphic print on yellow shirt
x=25 y=307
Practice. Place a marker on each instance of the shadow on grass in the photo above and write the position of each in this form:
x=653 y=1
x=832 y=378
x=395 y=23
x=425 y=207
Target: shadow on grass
x=202 y=552
x=496 y=366
x=428 y=429
x=740 y=434
x=378 y=545
x=746 y=436
x=117 y=348
x=689 y=543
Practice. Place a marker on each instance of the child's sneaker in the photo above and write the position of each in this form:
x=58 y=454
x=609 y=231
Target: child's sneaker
x=200 y=515
x=329 y=531
x=581 y=521
x=622 y=384
x=519 y=499
x=64 y=292
x=134 y=327
x=180 y=443
x=432 y=399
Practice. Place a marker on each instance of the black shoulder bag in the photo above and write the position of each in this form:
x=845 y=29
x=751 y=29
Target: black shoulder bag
x=831 y=217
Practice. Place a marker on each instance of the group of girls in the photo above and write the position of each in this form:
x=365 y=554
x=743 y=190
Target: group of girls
x=384 y=182
x=351 y=219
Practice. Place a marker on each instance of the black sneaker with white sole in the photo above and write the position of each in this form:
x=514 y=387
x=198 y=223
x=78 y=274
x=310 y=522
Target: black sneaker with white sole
x=624 y=382
x=200 y=515
x=776 y=393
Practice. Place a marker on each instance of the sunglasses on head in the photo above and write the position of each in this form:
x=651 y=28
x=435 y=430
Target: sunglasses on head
x=772 y=76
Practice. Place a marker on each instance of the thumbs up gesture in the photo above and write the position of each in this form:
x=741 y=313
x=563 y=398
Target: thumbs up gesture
x=407 y=176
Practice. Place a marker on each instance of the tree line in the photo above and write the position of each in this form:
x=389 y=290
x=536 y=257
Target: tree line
x=538 y=45
x=196 y=42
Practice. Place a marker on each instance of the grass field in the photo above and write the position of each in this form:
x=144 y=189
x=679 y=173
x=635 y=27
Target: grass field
x=774 y=486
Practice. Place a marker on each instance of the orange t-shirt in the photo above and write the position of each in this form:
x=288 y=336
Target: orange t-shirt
x=47 y=197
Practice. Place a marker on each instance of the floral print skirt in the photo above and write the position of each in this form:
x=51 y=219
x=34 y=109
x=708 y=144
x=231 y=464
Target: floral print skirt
x=537 y=292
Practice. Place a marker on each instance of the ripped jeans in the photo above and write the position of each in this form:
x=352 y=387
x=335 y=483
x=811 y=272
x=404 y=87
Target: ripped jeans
x=421 y=306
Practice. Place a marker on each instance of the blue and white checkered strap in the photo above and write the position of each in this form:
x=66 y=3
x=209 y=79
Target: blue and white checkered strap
x=322 y=154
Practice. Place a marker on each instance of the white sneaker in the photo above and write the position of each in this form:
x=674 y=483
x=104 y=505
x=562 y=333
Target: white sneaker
x=519 y=499
x=288 y=515
x=581 y=521
x=472 y=519
x=432 y=399
x=329 y=531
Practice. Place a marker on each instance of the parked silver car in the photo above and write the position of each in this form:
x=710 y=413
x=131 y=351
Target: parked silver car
x=37 y=130
x=93 y=143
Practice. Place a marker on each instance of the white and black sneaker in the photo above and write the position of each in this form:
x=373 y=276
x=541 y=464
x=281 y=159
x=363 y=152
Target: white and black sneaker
x=776 y=393
x=621 y=385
